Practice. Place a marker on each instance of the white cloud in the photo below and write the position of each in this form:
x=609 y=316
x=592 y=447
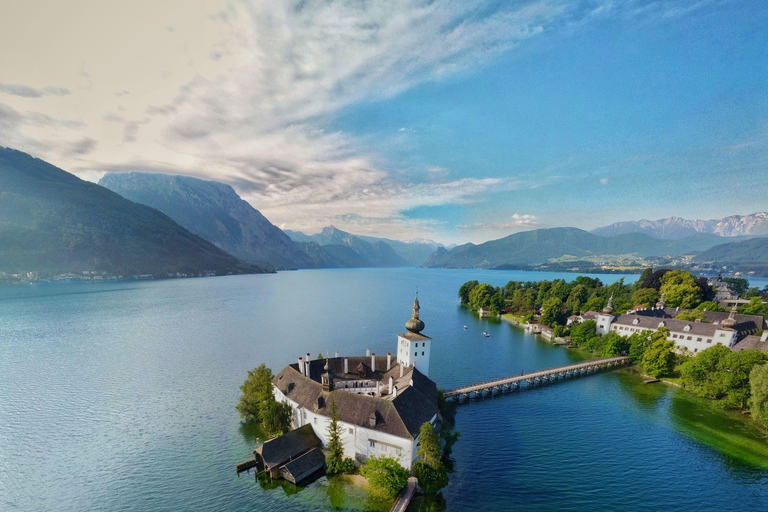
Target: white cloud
x=603 y=181
x=516 y=222
x=240 y=92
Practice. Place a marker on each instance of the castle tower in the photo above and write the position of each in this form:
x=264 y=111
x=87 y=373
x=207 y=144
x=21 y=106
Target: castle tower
x=605 y=318
x=413 y=348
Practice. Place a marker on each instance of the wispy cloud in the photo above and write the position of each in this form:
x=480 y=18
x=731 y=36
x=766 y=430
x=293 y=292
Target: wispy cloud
x=242 y=93
x=516 y=222
x=29 y=92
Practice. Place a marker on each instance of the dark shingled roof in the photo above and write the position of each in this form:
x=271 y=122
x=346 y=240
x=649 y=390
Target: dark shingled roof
x=401 y=416
x=745 y=324
x=280 y=450
x=414 y=336
x=676 y=326
x=299 y=469
x=751 y=342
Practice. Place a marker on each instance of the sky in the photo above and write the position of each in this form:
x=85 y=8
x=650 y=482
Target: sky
x=450 y=120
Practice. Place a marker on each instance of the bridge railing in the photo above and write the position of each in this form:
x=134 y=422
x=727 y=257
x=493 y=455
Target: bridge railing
x=524 y=376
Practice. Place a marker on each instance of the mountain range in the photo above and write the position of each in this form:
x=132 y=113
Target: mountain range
x=375 y=252
x=213 y=211
x=673 y=228
x=543 y=246
x=53 y=222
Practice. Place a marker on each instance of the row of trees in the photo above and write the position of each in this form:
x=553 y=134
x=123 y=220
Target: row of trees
x=649 y=349
x=737 y=380
x=257 y=403
x=559 y=299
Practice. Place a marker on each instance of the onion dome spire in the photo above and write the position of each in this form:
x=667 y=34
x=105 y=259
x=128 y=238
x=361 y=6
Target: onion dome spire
x=608 y=309
x=414 y=324
x=730 y=322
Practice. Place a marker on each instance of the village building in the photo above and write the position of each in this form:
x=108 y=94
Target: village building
x=723 y=293
x=694 y=336
x=381 y=402
x=485 y=312
x=758 y=342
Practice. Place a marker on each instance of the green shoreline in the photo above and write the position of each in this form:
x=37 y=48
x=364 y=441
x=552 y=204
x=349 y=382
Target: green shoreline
x=728 y=432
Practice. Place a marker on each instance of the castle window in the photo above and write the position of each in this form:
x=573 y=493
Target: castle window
x=422 y=353
x=372 y=442
x=698 y=339
x=689 y=337
x=415 y=354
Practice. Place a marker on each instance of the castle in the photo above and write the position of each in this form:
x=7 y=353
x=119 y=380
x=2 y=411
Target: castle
x=381 y=403
x=694 y=336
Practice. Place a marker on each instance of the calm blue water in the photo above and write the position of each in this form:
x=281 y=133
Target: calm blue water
x=120 y=396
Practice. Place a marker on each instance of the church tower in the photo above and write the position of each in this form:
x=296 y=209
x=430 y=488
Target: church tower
x=413 y=347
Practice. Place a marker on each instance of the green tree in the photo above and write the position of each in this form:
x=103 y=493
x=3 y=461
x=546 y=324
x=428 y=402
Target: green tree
x=429 y=469
x=578 y=297
x=659 y=359
x=256 y=393
x=692 y=315
x=595 y=303
x=613 y=344
x=758 y=402
x=335 y=458
x=702 y=375
x=710 y=306
x=737 y=285
x=553 y=312
x=431 y=478
x=737 y=367
x=276 y=417
x=639 y=342
x=465 y=289
x=497 y=302
x=385 y=475
x=681 y=289
x=480 y=296
x=754 y=307
x=581 y=333
x=647 y=297
x=429 y=446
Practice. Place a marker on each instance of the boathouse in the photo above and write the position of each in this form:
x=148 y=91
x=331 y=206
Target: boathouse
x=295 y=455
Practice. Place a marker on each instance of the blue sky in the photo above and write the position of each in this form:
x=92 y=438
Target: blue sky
x=449 y=120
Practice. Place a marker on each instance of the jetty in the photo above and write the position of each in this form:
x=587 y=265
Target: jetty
x=534 y=379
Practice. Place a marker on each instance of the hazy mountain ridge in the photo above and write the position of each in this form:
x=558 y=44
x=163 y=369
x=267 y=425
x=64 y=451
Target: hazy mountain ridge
x=752 y=252
x=213 y=211
x=376 y=254
x=545 y=245
x=673 y=228
x=53 y=222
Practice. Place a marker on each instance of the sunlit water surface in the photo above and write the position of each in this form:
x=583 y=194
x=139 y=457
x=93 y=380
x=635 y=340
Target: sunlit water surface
x=120 y=396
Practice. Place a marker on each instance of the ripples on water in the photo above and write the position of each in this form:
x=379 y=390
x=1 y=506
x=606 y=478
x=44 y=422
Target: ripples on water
x=120 y=396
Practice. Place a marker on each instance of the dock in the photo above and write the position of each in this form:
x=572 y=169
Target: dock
x=405 y=496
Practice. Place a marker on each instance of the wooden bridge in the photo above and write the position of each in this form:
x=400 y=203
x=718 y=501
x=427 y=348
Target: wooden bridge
x=534 y=379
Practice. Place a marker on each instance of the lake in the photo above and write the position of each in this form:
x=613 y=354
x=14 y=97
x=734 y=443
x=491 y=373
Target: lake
x=120 y=396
